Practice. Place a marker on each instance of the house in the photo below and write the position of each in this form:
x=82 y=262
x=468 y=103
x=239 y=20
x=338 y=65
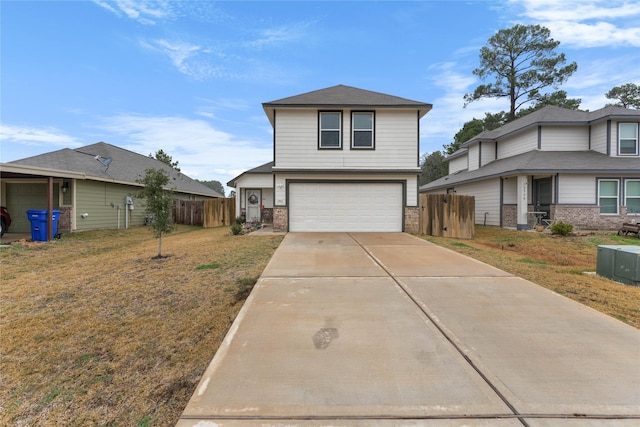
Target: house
x=578 y=167
x=344 y=159
x=94 y=187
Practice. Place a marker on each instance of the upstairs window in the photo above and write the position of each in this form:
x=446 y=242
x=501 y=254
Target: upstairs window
x=608 y=196
x=628 y=139
x=632 y=196
x=330 y=132
x=362 y=130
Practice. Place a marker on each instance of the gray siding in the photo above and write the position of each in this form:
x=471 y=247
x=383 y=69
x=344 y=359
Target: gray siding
x=565 y=138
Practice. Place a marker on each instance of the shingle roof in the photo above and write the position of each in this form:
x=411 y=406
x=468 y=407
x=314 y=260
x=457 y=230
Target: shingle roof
x=126 y=166
x=555 y=115
x=344 y=96
x=266 y=168
x=537 y=162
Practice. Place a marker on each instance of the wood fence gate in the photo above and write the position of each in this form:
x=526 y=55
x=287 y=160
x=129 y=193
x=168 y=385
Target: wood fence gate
x=205 y=213
x=447 y=215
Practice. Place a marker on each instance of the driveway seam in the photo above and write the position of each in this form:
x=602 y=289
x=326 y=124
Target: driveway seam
x=444 y=333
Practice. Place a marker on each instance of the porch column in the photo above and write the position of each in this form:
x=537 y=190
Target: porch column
x=523 y=202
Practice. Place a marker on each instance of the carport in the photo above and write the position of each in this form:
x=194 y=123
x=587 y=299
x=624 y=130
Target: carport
x=15 y=180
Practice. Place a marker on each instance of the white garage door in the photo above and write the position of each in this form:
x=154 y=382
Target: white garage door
x=345 y=207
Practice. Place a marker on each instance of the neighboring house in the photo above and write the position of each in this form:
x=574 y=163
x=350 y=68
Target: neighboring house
x=581 y=168
x=94 y=187
x=345 y=159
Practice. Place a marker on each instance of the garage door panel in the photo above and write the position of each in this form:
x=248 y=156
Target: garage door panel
x=345 y=207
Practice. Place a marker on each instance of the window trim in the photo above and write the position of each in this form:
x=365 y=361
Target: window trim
x=617 y=197
x=626 y=195
x=340 y=144
x=637 y=151
x=373 y=130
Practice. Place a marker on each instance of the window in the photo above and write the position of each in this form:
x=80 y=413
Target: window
x=608 y=196
x=362 y=130
x=330 y=130
x=632 y=196
x=628 y=139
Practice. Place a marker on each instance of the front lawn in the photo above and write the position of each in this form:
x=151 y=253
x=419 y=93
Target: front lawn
x=95 y=332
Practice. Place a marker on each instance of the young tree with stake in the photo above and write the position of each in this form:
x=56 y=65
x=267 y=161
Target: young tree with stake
x=158 y=203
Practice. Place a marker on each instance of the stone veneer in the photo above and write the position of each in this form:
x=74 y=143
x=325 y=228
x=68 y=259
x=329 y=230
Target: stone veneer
x=280 y=219
x=412 y=219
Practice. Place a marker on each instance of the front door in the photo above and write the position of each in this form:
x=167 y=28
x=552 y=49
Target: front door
x=253 y=202
x=543 y=195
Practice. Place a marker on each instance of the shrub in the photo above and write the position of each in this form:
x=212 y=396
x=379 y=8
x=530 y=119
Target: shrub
x=236 y=228
x=239 y=220
x=561 y=228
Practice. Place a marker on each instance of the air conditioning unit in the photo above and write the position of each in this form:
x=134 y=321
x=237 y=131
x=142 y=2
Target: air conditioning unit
x=620 y=263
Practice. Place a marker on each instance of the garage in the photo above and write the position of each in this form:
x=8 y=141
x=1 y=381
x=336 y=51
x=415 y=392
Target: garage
x=346 y=206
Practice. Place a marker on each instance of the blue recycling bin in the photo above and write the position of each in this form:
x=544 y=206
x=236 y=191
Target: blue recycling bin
x=39 y=221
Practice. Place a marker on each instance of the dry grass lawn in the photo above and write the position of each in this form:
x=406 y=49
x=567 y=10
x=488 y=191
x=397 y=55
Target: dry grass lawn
x=95 y=332
x=562 y=264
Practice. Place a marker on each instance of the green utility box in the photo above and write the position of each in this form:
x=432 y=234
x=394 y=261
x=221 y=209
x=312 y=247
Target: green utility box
x=620 y=263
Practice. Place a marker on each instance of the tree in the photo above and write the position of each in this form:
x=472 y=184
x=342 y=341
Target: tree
x=158 y=203
x=523 y=61
x=627 y=95
x=433 y=167
x=468 y=131
x=214 y=185
x=166 y=159
x=557 y=98
x=474 y=127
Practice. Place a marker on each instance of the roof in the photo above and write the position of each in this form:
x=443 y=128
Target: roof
x=267 y=168
x=552 y=115
x=344 y=96
x=538 y=162
x=126 y=167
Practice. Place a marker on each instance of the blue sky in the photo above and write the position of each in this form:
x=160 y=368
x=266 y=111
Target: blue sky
x=190 y=77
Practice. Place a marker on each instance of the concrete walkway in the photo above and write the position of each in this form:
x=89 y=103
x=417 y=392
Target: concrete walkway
x=385 y=329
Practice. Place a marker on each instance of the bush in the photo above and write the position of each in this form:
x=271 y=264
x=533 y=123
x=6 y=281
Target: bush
x=239 y=220
x=561 y=228
x=236 y=228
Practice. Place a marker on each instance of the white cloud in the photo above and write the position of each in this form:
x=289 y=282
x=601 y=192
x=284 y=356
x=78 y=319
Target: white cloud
x=185 y=57
x=276 y=36
x=203 y=152
x=44 y=137
x=587 y=23
x=146 y=12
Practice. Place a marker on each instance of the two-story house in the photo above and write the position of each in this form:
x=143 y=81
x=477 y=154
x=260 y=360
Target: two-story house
x=344 y=159
x=554 y=164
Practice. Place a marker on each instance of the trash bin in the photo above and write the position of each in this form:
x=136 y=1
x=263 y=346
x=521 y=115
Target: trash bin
x=39 y=221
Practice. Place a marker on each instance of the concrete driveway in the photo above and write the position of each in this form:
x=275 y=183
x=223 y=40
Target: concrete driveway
x=385 y=329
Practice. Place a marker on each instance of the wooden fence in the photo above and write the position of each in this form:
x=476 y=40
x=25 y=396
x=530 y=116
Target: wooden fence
x=219 y=212
x=205 y=213
x=447 y=215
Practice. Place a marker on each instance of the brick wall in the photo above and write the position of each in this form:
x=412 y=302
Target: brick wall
x=64 y=222
x=589 y=218
x=510 y=216
x=412 y=219
x=280 y=219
